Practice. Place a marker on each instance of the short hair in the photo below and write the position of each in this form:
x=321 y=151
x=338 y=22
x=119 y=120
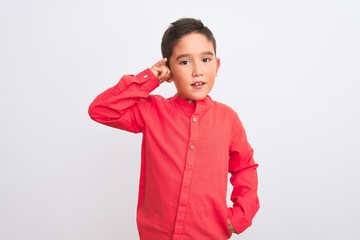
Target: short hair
x=179 y=29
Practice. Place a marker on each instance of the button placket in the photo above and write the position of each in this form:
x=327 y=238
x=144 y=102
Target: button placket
x=188 y=172
x=184 y=192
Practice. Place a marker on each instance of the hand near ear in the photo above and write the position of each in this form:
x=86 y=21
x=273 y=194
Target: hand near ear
x=161 y=71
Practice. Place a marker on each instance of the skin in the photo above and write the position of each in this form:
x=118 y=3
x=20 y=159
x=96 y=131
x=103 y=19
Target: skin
x=194 y=67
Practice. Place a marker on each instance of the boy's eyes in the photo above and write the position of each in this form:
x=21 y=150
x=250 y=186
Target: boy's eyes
x=186 y=62
x=206 y=59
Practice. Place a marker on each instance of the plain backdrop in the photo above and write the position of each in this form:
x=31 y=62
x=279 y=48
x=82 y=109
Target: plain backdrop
x=291 y=69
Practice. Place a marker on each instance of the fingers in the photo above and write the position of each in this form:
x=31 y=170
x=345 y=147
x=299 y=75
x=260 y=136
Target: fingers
x=165 y=75
x=231 y=228
x=161 y=62
x=157 y=67
x=162 y=72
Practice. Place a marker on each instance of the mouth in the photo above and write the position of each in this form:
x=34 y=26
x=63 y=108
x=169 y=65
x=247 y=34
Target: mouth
x=198 y=84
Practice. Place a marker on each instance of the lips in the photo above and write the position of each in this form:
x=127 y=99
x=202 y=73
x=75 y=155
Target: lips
x=197 y=84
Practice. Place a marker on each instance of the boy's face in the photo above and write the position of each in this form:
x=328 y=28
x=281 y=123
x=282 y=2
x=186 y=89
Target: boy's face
x=194 y=66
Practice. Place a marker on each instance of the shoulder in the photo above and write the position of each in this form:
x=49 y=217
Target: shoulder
x=227 y=114
x=157 y=101
x=224 y=108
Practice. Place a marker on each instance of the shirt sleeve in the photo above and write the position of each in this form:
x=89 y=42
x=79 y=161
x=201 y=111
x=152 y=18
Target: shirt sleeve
x=119 y=105
x=244 y=179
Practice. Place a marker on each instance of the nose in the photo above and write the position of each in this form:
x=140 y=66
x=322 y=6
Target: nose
x=197 y=70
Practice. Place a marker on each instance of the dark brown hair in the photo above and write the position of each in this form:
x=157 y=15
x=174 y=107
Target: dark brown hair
x=179 y=29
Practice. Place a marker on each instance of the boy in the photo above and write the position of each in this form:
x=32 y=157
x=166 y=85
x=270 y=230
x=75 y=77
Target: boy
x=190 y=142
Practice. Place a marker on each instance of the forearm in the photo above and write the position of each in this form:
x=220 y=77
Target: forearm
x=244 y=197
x=244 y=180
x=111 y=105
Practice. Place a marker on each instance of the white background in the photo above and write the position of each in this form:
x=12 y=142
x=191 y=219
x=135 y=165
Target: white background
x=291 y=69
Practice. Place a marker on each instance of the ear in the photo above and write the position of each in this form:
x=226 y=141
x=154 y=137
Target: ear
x=217 y=65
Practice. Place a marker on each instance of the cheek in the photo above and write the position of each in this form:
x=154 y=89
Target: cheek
x=174 y=73
x=178 y=76
x=180 y=85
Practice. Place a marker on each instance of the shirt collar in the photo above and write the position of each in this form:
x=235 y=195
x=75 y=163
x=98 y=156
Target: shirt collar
x=199 y=104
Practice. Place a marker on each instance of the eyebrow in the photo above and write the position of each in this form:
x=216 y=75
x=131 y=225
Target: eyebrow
x=187 y=54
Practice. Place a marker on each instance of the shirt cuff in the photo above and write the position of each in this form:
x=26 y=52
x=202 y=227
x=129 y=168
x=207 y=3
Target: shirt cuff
x=150 y=80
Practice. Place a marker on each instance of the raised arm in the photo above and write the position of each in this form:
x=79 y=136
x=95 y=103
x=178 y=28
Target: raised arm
x=117 y=106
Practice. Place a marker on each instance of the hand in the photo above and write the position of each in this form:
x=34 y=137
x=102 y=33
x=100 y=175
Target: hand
x=231 y=228
x=161 y=71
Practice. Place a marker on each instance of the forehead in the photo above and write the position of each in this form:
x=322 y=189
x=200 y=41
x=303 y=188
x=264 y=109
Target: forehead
x=193 y=43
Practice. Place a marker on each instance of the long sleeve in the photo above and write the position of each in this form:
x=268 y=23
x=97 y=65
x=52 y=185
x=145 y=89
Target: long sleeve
x=244 y=180
x=117 y=106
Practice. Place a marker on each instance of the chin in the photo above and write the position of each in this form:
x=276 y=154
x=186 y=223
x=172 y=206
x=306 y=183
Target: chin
x=197 y=98
x=194 y=96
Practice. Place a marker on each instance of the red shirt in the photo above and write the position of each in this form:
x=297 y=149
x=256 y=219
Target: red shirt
x=188 y=149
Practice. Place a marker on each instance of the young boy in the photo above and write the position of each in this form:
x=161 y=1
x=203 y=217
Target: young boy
x=190 y=142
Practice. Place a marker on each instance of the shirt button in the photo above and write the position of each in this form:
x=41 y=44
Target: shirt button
x=190 y=101
x=194 y=119
x=146 y=76
x=192 y=146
